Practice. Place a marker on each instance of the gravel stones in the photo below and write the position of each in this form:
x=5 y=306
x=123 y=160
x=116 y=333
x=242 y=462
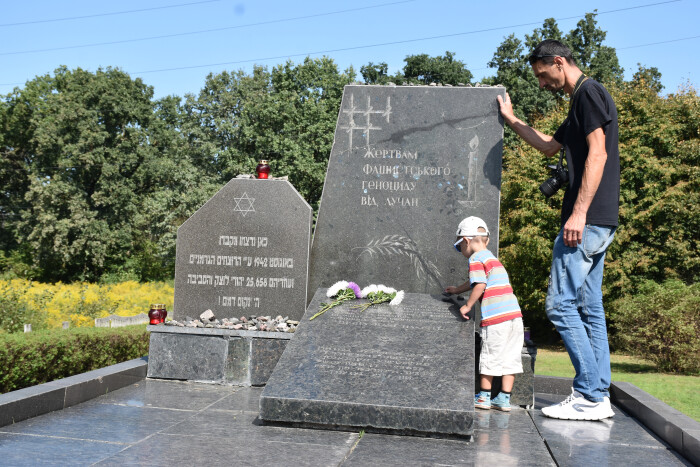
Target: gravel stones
x=250 y=323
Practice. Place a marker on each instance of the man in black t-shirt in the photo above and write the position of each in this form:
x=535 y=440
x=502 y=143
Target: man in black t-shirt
x=589 y=218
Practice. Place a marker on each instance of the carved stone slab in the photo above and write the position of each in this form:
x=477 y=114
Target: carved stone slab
x=245 y=252
x=407 y=164
x=404 y=368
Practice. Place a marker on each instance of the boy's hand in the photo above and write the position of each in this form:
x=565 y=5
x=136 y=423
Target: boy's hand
x=451 y=289
x=464 y=311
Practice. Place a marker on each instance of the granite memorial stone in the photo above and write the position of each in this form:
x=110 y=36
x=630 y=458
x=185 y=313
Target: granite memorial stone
x=245 y=251
x=407 y=164
x=403 y=368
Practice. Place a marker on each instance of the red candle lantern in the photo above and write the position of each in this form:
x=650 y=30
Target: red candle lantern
x=262 y=170
x=157 y=313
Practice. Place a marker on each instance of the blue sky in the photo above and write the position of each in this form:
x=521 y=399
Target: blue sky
x=173 y=44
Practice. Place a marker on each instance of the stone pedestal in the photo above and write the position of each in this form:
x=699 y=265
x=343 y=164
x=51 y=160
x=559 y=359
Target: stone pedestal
x=220 y=356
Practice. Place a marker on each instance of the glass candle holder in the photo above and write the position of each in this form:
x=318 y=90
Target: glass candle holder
x=262 y=170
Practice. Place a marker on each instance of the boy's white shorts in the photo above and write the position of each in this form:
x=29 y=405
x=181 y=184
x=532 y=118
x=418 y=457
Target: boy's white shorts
x=501 y=346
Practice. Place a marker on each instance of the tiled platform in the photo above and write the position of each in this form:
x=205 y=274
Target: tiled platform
x=155 y=422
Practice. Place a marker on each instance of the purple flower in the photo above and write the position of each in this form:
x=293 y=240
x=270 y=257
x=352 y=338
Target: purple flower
x=356 y=289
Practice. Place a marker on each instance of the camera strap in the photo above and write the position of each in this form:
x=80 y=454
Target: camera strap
x=578 y=84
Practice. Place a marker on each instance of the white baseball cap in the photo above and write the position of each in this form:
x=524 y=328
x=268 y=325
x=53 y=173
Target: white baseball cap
x=469 y=227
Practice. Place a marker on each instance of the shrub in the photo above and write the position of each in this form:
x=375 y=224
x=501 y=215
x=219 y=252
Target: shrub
x=15 y=312
x=40 y=357
x=661 y=323
x=49 y=305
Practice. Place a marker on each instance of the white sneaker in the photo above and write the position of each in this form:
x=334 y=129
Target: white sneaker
x=608 y=407
x=577 y=407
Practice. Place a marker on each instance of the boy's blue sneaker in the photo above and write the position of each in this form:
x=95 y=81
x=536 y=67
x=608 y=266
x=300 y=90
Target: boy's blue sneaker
x=501 y=402
x=482 y=400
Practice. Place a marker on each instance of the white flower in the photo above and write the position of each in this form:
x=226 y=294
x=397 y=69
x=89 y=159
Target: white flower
x=398 y=299
x=335 y=288
x=369 y=289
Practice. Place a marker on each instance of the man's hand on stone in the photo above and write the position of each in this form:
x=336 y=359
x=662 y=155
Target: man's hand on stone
x=506 y=108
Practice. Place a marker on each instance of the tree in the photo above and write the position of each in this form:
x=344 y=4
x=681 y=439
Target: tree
x=286 y=116
x=375 y=74
x=595 y=59
x=513 y=69
x=423 y=69
x=92 y=153
x=420 y=69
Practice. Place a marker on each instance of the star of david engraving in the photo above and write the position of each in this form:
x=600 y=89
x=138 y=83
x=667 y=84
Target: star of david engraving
x=244 y=204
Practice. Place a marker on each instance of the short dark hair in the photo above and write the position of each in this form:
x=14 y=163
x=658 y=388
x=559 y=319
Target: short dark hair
x=548 y=49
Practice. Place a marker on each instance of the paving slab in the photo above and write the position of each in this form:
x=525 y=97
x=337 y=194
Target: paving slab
x=156 y=422
x=617 y=440
x=18 y=449
x=497 y=448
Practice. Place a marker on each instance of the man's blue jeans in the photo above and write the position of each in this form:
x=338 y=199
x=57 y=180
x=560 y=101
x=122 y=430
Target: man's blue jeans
x=574 y=305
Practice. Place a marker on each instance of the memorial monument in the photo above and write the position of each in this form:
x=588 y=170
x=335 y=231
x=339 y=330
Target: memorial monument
x=243 y=253
x=407 y=164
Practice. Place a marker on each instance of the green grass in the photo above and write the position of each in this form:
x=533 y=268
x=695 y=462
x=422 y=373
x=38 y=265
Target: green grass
x=680 y=392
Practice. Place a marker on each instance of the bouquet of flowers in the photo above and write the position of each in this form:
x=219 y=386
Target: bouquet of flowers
x=377 y=294
x=342 y=292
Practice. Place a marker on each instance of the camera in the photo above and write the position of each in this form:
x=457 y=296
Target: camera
x=559 y=175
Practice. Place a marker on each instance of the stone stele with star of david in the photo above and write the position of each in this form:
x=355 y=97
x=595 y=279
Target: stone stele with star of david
x=244 y=253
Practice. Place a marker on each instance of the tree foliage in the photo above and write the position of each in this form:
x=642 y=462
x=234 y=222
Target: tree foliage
x=89 y=151
x=514 y=72
x=420 y=69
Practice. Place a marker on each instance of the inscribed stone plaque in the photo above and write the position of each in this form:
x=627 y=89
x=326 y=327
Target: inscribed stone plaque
x=245 y=252
x=408 y=163
x=408 y=367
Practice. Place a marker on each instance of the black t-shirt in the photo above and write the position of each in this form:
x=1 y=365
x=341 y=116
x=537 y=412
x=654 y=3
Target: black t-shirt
x=592 y=108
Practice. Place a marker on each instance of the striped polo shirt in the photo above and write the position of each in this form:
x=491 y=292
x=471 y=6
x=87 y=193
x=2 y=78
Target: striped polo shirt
x=498 y=303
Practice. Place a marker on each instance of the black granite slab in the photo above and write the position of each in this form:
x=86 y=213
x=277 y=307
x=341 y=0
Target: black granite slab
x=245 y=252
x=674 y=427
x=620 y=440
x=405 y=368
x=407 y=165
x=188 y=357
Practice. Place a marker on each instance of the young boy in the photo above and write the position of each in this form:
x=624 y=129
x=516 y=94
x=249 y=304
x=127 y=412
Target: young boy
x=501 y=319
